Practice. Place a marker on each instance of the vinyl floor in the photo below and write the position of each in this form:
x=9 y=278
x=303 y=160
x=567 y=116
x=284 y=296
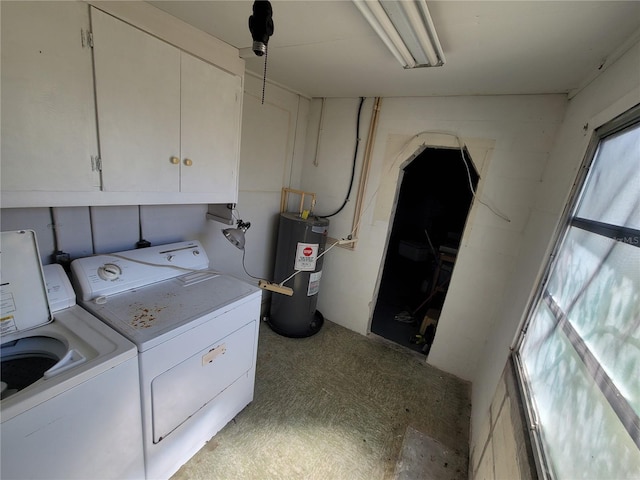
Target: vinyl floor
x=337 y=406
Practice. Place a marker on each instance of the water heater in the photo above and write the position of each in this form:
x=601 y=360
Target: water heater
x=300 y=242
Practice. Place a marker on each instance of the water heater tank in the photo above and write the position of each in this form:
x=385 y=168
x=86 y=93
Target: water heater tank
x=300 y=242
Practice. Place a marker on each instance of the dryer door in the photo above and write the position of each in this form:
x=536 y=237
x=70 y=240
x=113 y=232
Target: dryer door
x=180 y=392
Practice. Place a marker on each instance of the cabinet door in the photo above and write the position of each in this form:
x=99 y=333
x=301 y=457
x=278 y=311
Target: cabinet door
x=210 y=114
x=138 y=101
x=48 y=108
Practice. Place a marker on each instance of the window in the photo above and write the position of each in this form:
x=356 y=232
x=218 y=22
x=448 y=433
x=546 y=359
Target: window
x=579 y=356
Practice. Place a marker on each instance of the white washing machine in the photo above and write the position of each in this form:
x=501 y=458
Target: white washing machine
x=196 y=334
x=70 y=387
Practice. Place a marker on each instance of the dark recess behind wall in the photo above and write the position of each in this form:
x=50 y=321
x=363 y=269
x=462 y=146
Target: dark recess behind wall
x=435 y=196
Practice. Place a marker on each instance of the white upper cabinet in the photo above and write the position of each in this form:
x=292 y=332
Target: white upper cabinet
x=210 y=126
x=168 y=121
x=48 y=107
x=138 y=98
x=116 y=104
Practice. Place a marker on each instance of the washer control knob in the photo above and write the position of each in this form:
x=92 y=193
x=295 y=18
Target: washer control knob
x=109 y=272
x=170 y=258
x=196 y=252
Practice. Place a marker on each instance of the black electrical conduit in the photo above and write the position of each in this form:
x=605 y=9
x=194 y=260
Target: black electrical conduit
x=353 y=167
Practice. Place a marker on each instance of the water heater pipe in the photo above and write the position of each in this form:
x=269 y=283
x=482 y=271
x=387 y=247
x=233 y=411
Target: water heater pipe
x=366 y=166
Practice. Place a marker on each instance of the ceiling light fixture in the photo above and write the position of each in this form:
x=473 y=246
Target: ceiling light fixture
x=406 y=29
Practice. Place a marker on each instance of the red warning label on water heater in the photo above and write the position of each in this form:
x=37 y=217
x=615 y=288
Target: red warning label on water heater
x=306 y=256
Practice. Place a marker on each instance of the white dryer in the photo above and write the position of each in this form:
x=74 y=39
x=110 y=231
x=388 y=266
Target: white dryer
x=196 y=333
x=70 y=385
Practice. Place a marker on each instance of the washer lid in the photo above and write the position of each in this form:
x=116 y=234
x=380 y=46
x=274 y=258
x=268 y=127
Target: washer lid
x=23 y=292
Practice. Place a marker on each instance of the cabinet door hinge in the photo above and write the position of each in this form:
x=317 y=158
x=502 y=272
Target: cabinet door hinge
x=96 y=163
x=86 y=37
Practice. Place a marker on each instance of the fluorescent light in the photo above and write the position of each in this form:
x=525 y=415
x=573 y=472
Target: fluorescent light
x=406 y=28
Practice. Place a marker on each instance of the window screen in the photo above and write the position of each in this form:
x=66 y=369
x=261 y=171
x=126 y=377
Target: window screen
x=579 y=356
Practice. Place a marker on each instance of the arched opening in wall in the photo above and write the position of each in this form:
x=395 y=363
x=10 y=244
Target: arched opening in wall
x=432 y=206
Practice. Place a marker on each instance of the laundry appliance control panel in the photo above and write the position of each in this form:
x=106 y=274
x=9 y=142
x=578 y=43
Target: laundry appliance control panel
x=102 y=275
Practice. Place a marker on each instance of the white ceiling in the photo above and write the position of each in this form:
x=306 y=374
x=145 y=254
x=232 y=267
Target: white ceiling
x=325 y=48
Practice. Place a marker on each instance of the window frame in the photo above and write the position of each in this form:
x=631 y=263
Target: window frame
x=568 y=219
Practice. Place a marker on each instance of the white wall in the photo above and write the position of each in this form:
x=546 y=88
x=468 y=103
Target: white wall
x=509 y=138
x=273 y=139
x=616 y=90
x=83 y=231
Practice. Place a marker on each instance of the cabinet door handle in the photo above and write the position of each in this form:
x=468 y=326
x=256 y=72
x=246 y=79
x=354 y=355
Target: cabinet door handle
x=175 y=160
x=188 y=162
